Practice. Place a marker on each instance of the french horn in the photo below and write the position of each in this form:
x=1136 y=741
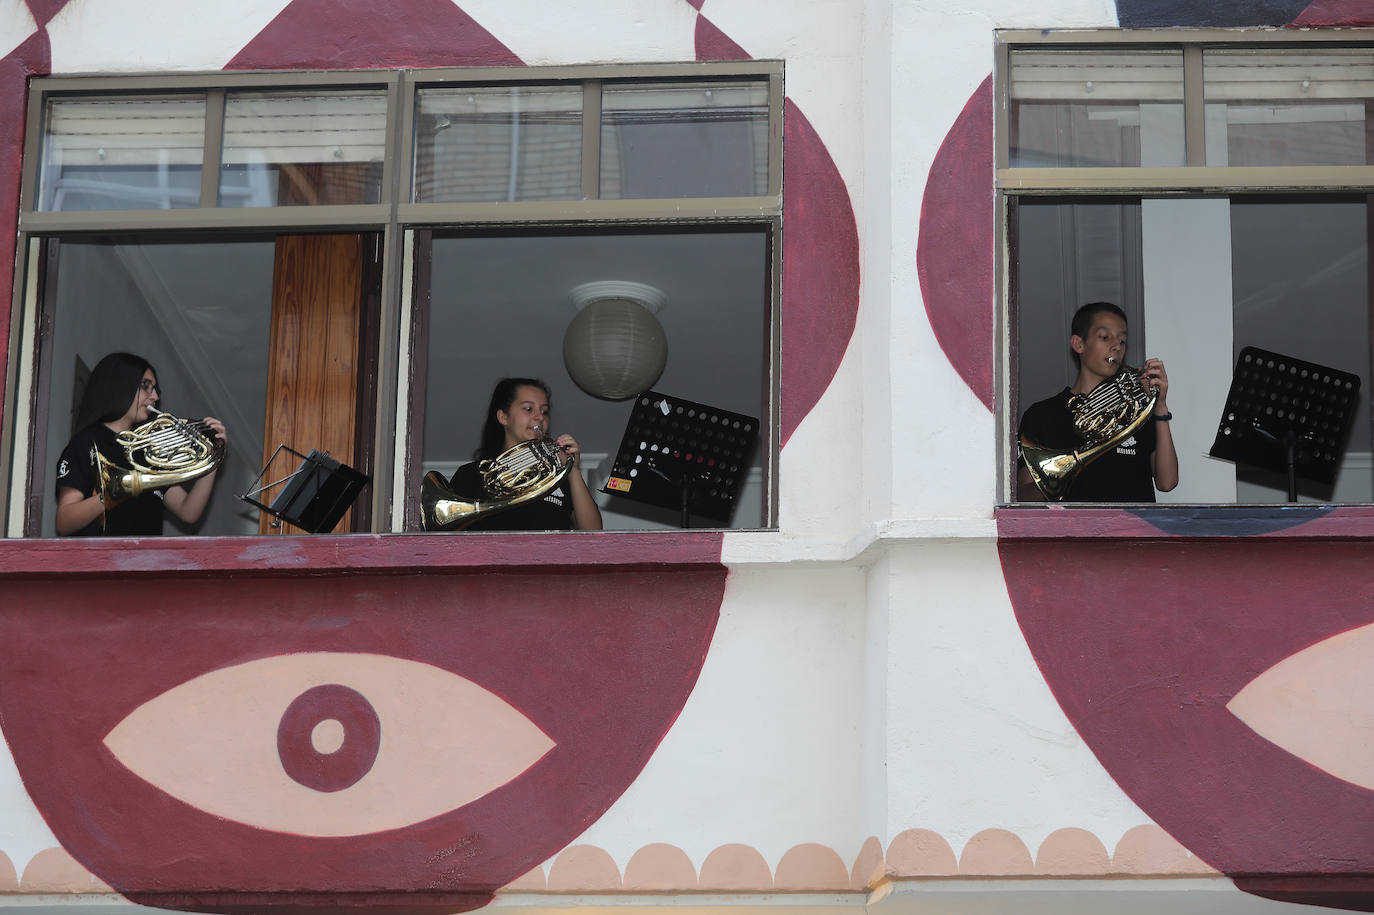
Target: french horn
x=1104 y=417
x=162 y=452
x=518 y=475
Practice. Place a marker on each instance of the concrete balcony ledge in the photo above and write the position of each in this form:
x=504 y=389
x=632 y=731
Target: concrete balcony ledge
x=1195 y=522
x=361 y=554
x=1040 y=896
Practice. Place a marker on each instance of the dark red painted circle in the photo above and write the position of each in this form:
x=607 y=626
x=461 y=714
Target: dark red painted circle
x=350 y=762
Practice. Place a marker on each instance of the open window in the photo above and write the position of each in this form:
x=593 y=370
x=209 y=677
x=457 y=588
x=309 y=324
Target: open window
x=501 y=305
x=1218 y=192
x=270 y=334
x=347 y=261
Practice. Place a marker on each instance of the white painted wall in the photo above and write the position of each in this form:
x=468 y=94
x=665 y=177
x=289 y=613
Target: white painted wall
x=768 y=750
x=975 y=740
x=16 y=24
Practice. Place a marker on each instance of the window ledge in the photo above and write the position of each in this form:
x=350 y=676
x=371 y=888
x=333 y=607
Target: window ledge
x=1196 y=522
x=358 y=554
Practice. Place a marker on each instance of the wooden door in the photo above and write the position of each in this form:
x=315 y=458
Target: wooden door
x=320 y=325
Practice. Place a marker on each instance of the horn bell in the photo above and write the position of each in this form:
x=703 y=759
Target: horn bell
x=1103 y=418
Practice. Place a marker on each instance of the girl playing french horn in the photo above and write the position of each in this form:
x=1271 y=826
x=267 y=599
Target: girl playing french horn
x=119 y=396
x=519 y=412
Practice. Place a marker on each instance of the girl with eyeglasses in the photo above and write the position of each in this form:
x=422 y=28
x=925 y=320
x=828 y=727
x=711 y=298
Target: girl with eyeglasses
x=121 y=388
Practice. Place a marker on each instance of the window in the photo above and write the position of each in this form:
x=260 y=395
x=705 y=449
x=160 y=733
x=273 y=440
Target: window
x=348 y=261
x=499 y=302
x=1217 y=189
x=302 y=148
x=129 y=152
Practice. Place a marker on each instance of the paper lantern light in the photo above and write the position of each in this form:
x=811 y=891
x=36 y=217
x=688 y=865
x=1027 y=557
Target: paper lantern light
x=615 y=348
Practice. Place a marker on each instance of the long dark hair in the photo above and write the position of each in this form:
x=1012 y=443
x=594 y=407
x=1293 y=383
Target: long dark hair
x=502 y=396
x=111 y=389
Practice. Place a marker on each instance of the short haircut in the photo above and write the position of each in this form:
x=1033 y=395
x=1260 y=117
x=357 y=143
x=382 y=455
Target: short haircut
x=1083 y=317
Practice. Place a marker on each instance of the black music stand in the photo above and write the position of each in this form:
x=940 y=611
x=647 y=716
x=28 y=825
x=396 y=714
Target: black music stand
x=680 y=454
x=1286 y=415
x=314 y=496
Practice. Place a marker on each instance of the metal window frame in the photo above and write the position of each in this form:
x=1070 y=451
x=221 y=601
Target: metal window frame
x=1196 y=176
x=394 y=217
x=1192 y=180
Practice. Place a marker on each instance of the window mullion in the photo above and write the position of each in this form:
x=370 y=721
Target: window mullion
x=776 y=102
x=1001 y=122
x=591 y=139
x=1194 y=108
x=214 y=140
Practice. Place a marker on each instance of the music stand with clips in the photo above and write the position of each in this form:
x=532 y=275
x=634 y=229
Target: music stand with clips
x=314 y=496
x=680 y=454
x=1286 y=415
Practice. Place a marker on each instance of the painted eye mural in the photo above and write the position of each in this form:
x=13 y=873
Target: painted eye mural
x=305 y=731
x=375 y=735
x=1317 y=704
x=1218 y=682
x=364 y=734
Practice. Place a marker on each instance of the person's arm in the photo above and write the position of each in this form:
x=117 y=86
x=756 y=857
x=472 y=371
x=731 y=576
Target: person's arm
x=75 y=511
x=1164 y=461
x=189 y=504
x=586 y=515
x=78 y=490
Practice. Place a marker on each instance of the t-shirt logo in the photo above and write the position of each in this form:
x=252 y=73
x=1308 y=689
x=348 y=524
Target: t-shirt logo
x=1126 y=447
x=62 y=468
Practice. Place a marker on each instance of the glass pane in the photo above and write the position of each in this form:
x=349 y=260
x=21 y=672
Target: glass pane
x=302 y=149
x=1300 y=272
x=1288 y=107
x=1295 y=275
x=498 y=143
x=516 y=294
x=1096 y=108
x=200 y=312
x=701 y=139
x=1069 y=254
x=122 y=153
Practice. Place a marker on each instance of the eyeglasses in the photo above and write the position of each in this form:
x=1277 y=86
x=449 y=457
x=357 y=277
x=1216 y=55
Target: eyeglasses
x=149 y=385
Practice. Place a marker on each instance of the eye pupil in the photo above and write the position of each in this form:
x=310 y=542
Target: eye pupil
x=329 y=737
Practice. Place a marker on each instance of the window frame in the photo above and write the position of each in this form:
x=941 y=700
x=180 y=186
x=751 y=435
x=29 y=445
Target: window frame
x=1194 y=179
x=393 y=217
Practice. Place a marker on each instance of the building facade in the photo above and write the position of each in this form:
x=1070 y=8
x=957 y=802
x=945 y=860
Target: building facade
x=882 y=681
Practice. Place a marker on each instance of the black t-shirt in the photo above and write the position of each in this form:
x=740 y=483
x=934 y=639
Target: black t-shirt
x=1122 y=474
x=140 y=516
x=552 y=511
